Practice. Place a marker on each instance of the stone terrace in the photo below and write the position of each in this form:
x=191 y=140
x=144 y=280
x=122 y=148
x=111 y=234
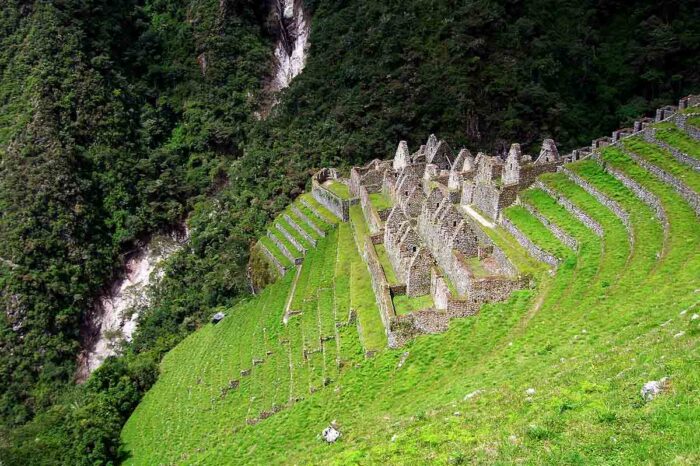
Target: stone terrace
x=428 y=214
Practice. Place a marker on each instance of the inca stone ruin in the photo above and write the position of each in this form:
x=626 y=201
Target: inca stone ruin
x=440 y=204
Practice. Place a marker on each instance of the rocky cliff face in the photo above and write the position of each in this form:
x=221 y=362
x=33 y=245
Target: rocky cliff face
x=290 y=24
x=114 y=318
x=292 y=42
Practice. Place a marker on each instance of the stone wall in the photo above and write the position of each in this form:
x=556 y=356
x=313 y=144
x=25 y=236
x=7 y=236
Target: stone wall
x=439 y=290
x=332 y=202
x=603 y=199
x=308 y=221
x=418 y=280
x=496 y=253
x=380 y=286
x=300 y=230
x=485 y=197
x=530 y=172
x=374 y=222
x=406 y=327
x=643 y=194
x=492 y=289
x=681 y=121
x=290 y=238
x=558 y=233
x=272 y=259
x=571 y=208
x=525 y=242
x=686 y=193
x=283 y=249
x=650 y=136
x=484 y=290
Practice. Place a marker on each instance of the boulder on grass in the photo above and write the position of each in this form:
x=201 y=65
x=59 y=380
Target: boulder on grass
x=653 y=388
x=330 y=434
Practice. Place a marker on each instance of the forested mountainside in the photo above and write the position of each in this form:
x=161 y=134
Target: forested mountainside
x=121 y=118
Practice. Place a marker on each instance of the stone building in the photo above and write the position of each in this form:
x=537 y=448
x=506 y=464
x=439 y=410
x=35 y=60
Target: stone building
x=431 y=210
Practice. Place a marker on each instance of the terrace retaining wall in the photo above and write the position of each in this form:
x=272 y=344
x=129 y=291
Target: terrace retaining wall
x=380 y=286
x=283 y=249
x=282 y=270
x=682 y=157
x=686 y=193
x=681 y=120
x=525 y=242
x=571 y=208
x=560 y=234
x=290 y=237
x=308 y=221
x=614 y=207
x=300 y=230
x=642 y=194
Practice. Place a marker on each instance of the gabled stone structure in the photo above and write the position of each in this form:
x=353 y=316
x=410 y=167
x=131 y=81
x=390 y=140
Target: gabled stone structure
x=434 y=238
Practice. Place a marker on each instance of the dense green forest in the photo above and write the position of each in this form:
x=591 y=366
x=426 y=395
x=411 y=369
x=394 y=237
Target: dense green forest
x=111 y=130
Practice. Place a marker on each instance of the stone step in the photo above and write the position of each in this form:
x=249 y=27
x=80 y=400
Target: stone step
x=291 y=237
x=292 y=256
x=308 y=221
x=297 y=225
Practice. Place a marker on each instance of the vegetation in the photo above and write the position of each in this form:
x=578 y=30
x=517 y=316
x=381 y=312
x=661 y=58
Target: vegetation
x=404 y=304
x=585 y=340
x=111 y=130
x=386 y=264
x=670 y=134
x=664 y=160
x=380 y=201
x=340 y=189
x=536 y=231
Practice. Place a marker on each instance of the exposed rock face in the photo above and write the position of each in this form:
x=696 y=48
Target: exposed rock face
x=292 y=42
x=115 y=317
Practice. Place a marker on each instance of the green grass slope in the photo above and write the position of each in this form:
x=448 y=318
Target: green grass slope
x=617 y=313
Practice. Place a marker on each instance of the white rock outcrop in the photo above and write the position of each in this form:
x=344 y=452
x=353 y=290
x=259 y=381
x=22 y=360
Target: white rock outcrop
x=115 y=317
x=330 y=434
x=652 y=388
x=292 y=44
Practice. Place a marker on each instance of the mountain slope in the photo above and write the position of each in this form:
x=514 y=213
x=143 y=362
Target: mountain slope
x=118 y=119
x=553 y=375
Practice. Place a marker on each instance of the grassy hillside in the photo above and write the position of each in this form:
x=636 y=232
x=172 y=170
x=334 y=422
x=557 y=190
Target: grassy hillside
x=619 y=311
x=111 y=129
